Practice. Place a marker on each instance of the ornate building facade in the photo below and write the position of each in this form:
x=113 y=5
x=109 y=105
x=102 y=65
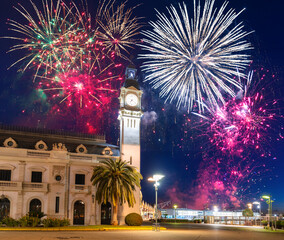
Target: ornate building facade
x=50 y=171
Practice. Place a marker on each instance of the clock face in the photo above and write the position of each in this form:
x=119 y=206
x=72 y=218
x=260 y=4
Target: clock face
x=131 y=99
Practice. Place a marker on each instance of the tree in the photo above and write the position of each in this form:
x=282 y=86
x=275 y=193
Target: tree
x=116 y=181
x=248 y=213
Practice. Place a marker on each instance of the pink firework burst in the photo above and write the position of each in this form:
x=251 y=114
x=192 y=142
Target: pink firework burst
x=228 y=180
x=239 y=155
x=243 y=121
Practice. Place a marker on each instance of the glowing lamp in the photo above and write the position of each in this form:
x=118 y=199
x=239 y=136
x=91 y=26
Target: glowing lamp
x=215 y=208
x=155 y=178
x=266 y=197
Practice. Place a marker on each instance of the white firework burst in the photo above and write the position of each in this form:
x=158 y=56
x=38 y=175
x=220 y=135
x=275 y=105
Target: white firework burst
x=195 y=59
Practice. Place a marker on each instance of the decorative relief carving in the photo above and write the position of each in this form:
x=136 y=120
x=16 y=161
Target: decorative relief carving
x=81 y=149
x=10 y=143
x=107 y=151
x=41 y=145
x=58 y=173
x=59 y=147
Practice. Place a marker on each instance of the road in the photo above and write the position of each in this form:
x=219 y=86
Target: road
x=179 y=232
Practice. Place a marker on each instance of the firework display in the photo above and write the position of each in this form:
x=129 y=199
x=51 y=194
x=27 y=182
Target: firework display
x=51 y=41
x=76 y=62
x=242 y=122
x=119 y=33
x=198 y=61
x=195 y=58
x=239 y=134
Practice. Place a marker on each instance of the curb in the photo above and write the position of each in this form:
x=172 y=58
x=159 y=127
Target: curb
x=69 y=230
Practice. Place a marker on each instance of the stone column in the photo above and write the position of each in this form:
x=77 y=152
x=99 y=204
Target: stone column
x=93 y=210
x=21 y=179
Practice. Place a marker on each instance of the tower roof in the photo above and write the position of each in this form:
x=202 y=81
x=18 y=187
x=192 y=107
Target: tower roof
x=131 y=77
x=131 y=83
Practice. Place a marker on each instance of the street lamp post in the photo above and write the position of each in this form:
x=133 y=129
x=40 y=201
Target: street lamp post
x=258 y=206
x=259 y=209
x=175 y=207
x=156 y=178
x=269 y=202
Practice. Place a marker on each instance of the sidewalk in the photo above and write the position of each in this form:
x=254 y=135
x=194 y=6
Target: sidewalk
x=241 y=226
x=79 y=228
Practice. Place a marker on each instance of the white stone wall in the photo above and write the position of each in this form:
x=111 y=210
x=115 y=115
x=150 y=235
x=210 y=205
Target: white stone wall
x=58 y=163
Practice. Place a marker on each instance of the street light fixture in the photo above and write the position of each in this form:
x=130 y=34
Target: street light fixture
x=156 y=178
x=215 y=208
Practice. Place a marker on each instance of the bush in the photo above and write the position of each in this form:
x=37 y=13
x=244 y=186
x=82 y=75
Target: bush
x=133 y=219
x=64 y=222
x=29 y=221
x=10 y=222
x=264 y=223
x=36 y=214
x=55 y=222
x=25 y=221
x=280 y=224
x=197 y=221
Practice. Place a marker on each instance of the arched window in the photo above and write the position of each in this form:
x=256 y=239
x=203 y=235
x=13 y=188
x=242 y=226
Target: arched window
x=79 y=213
x=4 y=208
x=106 y=213
x=35 y=205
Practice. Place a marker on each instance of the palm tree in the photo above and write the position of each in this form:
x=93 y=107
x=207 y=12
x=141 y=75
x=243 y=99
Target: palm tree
x=116 y=181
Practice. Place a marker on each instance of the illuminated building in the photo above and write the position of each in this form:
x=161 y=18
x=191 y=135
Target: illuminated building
x=50 y=171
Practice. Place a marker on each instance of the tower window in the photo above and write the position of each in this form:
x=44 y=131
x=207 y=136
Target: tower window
x=80 y=179
x=5 y=175
x=37 y=177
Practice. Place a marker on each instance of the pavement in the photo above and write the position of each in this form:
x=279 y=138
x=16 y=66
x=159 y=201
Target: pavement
x=176 y=231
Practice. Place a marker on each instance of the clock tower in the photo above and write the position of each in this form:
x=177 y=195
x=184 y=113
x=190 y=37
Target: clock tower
x=130 y=114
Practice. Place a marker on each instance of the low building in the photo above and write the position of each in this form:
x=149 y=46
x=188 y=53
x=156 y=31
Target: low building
x=228 y=217
x=147 y=211
x=51 y=172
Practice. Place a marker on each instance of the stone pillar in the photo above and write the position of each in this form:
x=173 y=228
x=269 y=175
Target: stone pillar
x=67 y=193
x=21 y=179
x=93 y=211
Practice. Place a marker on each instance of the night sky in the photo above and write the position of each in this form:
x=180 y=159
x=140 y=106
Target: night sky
x=162 y=150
